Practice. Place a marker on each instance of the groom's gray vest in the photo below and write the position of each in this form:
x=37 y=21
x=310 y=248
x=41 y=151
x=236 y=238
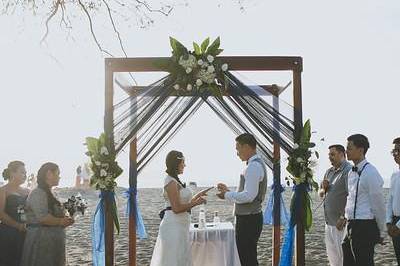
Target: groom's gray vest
x=253 y=207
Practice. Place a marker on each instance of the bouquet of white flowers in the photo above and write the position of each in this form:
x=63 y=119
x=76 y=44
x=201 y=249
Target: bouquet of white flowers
x=75 y=205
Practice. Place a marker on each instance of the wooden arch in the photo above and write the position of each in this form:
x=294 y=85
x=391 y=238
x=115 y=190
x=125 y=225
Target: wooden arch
x=236 y=63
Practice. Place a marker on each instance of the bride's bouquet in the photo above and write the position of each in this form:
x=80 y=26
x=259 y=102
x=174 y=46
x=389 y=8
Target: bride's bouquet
x=75 y=205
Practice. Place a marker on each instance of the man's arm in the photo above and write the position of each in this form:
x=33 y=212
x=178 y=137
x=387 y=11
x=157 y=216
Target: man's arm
x=375 y=192
x=253 y=176
x=389 y=205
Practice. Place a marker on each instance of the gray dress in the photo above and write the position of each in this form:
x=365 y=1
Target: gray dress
x=44 y=245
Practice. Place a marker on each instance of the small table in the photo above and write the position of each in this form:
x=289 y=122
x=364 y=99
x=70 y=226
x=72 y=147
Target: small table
x=214 y=245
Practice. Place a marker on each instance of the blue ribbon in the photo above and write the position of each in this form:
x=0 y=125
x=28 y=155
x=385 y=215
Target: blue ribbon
x=98 y=230
x=131 y=194
x=268 y=213
x=287 y=247
x=288 y=244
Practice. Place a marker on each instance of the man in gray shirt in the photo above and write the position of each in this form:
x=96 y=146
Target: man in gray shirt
x=334 y=191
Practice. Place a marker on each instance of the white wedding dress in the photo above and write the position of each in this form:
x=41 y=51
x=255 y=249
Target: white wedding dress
x=173 y=246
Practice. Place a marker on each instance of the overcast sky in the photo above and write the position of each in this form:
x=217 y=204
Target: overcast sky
x=52 y=96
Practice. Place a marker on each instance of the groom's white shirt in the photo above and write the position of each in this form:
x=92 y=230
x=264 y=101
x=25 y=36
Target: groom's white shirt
x=253 y=175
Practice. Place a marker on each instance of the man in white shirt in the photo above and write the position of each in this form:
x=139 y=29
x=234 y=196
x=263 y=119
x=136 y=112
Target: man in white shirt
x=365 y=208
x=248 y=199
x=393 y=205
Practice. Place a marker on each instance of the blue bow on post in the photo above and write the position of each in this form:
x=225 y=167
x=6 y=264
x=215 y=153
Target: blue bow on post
x=268 y=213
x=131 y=195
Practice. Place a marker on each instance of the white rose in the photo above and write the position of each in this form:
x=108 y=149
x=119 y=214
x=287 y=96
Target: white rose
x=176 y=86
x=97 y=163
x=103 y=151
x=224 y=67
x=210 y=69
x=296 y=146
x=189 y=87
x=199 y=82
x=200 y=62
x=103 y=173
x=188 y=70
x=210 y=58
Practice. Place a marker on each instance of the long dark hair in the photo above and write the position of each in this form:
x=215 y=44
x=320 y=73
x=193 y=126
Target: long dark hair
x=174 y=158
x=11 y=168
x=41 y=181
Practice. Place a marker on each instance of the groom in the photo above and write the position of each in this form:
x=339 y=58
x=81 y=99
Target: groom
x=248 y=199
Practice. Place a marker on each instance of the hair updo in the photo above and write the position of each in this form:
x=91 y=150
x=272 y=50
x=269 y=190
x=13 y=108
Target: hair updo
x=12 y=168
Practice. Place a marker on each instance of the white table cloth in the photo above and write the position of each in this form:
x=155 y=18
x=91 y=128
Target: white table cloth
x=214 y=245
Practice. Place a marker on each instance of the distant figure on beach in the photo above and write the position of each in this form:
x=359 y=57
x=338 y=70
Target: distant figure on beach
x=248 y=199
x=334 y=193
x=46 y=222
x=173 y=246
x=31 y=181
x=12 y=222
x=393 y=204
x=78 y=178
x=85 y=176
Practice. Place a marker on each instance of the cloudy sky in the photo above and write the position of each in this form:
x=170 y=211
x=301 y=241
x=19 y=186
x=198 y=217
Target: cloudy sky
x=52 y=95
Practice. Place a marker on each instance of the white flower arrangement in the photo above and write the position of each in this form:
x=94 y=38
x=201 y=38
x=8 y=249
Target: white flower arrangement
x=198 y=70
x=103 y=165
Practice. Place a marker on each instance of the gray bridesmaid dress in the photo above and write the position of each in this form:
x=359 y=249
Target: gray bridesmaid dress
x=44 y=245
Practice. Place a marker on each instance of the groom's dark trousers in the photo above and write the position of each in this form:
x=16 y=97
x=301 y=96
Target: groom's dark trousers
x=248 y=231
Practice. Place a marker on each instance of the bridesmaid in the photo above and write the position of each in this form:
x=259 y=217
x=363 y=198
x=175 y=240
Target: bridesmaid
x=12 y=227
x=46 y=222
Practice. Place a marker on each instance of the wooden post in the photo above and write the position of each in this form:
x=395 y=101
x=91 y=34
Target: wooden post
x=276 y=230
x=298 y=123
x=108 y=129
x=132 y=184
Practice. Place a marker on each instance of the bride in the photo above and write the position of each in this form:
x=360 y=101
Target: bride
x=172 y=247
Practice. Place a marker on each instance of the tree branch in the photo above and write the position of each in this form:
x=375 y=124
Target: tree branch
x=52 y=14
x=155 y=10
x=115 y=28
x=92 y=30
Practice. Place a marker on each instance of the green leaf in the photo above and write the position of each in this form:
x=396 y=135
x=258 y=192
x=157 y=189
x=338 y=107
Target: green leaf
x=177 y=47
x=315 y=185
x=216 y=91
x=214 y=46
x=218 y=51
x=308 y=222
x=197 y=49
x=306 y=132
x=173 y=43
x=115 y=215
x=92 y=145
x=205 y=44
